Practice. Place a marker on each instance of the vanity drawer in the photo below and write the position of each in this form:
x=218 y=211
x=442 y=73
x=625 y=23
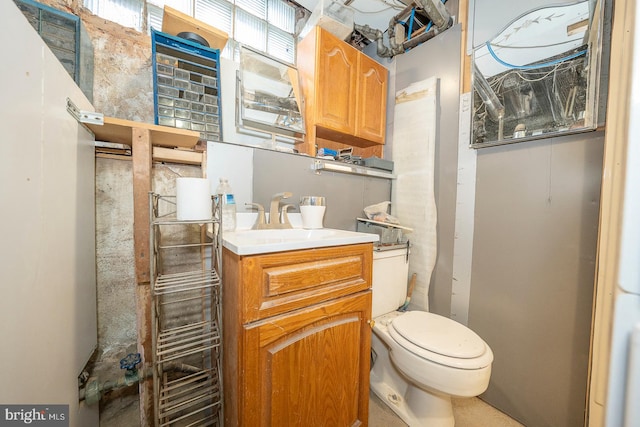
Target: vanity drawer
x=280 y=282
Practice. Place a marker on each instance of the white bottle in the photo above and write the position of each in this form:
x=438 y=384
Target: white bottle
x=228 y=205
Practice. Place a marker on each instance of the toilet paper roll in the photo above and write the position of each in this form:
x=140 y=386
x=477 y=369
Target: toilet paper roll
x=193 y=199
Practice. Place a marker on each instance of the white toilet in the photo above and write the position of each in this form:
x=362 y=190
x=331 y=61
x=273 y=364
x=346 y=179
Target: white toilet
x=420 y=359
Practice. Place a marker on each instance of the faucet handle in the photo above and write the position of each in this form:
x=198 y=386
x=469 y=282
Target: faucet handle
x=283 y=195
x=260 y=223
x=284 y=218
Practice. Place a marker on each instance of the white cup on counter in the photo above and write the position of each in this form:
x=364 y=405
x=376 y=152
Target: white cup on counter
x=312 y=210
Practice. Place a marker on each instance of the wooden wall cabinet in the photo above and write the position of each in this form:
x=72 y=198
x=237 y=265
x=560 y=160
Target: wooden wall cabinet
x=345 y=94
x=297 y=337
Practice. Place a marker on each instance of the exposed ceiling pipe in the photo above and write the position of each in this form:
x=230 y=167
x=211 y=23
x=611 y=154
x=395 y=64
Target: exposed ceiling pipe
x=437 y=13
x=434 y=9
x=421 y=38
x=396 y=48
x=489 y=97
x=375 y=35
x=494 y=107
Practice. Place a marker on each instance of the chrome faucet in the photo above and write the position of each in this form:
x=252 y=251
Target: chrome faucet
x=274 y=215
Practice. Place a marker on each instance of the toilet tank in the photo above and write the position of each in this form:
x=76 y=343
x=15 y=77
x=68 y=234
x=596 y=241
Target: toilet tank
x=390 y=274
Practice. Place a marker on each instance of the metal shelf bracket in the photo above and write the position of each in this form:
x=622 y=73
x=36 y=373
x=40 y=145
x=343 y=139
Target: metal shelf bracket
x=320 y=165
x=84 y=116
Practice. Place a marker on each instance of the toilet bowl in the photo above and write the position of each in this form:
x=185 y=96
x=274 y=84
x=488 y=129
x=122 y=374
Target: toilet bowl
x=420 y=359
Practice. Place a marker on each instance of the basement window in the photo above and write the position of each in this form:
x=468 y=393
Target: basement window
x=127 y=13
x=265 y=25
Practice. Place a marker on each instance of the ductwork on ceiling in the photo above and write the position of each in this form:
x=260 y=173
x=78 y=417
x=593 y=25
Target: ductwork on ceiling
x=399 y=43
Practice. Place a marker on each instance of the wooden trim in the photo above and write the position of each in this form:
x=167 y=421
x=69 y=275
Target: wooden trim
x=175 y=22
x=113 y=156
x=141 y=156
x=465 y=60
x=120 y=131
x=161 y=154
x=621 y=74
x=171 y=155
x=143 y=318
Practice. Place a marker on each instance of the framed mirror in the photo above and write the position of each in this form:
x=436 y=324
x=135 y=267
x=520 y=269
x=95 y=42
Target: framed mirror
x=540 y=76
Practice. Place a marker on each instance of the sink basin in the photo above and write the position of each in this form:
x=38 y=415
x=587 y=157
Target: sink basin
x=250 y=242
x=286 y=234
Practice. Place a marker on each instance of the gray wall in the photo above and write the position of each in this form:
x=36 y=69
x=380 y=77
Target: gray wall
x=536 y=225
x=440 y=57
x=532 y=278
x=346 y=195
x=534 y=246
x=256 y=174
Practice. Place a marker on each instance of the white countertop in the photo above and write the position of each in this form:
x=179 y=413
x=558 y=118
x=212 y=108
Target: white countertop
x=245 y=241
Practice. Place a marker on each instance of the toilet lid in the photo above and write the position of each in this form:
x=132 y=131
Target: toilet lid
x=439 y=334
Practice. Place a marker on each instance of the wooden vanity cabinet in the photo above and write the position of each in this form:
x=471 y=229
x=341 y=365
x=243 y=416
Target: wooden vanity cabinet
x=345 y=93
x=296 y=337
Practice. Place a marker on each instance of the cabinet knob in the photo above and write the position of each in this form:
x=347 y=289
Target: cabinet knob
x=371 y=323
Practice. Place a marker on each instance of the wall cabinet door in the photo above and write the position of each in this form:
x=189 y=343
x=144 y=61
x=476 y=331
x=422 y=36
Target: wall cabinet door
x=337 y=83
x=309 y=367
x=371 y=108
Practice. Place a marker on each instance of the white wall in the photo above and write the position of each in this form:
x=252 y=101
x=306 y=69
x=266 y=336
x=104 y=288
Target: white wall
x=48 y=292
x=234 y=162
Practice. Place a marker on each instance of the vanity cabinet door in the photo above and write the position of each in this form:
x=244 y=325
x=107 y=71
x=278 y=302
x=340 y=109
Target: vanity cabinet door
x=296 y=337
x=309 y=367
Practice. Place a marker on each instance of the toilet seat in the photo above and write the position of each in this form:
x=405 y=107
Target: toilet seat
x=440 y=340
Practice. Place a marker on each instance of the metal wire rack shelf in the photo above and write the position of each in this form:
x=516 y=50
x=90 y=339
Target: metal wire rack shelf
x=186 y=296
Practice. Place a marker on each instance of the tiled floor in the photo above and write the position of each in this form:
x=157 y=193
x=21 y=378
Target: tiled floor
x=467 y=413
x=122 y=411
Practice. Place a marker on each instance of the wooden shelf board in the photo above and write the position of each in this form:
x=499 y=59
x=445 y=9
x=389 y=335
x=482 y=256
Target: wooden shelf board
x=162 y=154
x=175 y=22
x=120 y=131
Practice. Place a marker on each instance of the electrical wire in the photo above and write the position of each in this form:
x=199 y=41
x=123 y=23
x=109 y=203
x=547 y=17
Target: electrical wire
x=496 y=84
x=531 y=67
x=395 y=5
x=555 y=69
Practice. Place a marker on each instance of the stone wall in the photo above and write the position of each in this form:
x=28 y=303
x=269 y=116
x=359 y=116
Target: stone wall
x=123 y=85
